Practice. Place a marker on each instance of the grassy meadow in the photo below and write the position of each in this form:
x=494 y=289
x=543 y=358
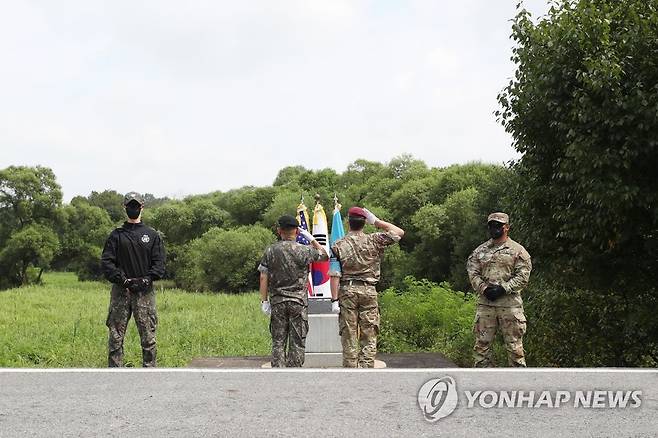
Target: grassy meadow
x=62 y=324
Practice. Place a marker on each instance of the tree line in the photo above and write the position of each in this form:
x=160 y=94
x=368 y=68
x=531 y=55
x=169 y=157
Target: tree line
x=214 y=241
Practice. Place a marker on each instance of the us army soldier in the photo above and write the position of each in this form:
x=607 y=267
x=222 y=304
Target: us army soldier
x=360 y=256
x=133 y=257
x=284 y=271
x=499 y=270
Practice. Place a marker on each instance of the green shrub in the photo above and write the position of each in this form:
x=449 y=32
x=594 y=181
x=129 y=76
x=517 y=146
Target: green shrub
x=424 y=316
x=33 y=246
x=285 y=202
x=223 y=260
x=82 y=234
x=87 y=265
x=569 y=326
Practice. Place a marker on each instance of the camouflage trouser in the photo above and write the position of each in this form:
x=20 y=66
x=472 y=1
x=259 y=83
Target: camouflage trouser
x=359 y=316
x=142 y=306
x=512 y=323
x=288 y=325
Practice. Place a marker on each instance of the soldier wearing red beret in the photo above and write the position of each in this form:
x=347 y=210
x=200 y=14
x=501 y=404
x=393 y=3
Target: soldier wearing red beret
x=360 y=256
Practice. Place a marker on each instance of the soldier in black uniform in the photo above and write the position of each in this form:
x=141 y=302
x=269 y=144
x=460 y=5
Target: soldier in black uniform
x=133 y=257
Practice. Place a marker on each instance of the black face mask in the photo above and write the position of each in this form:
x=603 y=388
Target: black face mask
x=133 y=211
x=495 y=230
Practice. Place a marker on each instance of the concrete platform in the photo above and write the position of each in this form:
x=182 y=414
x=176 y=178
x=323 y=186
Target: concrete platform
x=325 y=360
x=395 y=361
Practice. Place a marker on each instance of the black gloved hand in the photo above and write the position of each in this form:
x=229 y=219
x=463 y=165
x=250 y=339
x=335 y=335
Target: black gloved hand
x=144 y=283
x=135 y=285
x=494 y=292
x=139 y=284
x=128 y=283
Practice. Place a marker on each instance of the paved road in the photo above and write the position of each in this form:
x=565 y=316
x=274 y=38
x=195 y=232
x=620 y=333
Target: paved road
x=196 y=403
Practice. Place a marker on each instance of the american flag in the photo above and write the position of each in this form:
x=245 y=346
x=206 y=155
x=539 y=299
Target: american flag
x=302 y=213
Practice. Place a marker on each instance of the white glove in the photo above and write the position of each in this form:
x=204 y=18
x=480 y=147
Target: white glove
x=335 y=307
x=305 y=234
x=265 y=307
x=370 y=218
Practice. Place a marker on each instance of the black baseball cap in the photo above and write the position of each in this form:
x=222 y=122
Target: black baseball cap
x=133 y=196
x=287 y=221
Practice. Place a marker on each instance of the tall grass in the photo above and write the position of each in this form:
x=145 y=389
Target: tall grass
x=62 y=324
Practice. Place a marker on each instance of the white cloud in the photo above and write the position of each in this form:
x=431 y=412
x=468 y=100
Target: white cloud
x=171 y=98
x=444 y=61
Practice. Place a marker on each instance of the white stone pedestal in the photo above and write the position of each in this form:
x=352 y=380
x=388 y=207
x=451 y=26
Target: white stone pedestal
x=322 y=334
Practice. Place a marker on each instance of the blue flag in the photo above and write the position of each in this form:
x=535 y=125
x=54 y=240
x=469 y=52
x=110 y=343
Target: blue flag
x=337 y=232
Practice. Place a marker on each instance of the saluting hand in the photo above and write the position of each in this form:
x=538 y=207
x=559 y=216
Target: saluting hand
x=305 y=234
x=370 y=217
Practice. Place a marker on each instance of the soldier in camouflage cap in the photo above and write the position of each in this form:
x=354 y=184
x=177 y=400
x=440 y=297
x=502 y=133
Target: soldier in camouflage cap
x=360 y=257
x=284 y=271
x=499 y=269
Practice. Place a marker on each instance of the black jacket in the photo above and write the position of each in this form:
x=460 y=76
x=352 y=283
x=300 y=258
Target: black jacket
x=132 y=251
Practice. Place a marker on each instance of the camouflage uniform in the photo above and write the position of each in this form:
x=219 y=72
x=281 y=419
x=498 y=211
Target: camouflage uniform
x=508 y=265
x=123 y=303
x=360 y=257
x=132 y=251
x=287 y=265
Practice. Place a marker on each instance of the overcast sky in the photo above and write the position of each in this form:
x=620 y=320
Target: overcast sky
x=177 y=98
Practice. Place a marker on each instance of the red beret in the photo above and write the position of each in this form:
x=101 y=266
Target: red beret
x=356 y=211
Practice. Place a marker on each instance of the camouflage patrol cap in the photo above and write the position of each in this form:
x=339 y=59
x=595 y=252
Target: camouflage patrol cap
x=287 y=221
x=133 y=196
x=503 y=218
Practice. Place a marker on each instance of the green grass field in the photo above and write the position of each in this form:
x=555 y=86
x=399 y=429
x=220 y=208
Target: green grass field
x=62 y=324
